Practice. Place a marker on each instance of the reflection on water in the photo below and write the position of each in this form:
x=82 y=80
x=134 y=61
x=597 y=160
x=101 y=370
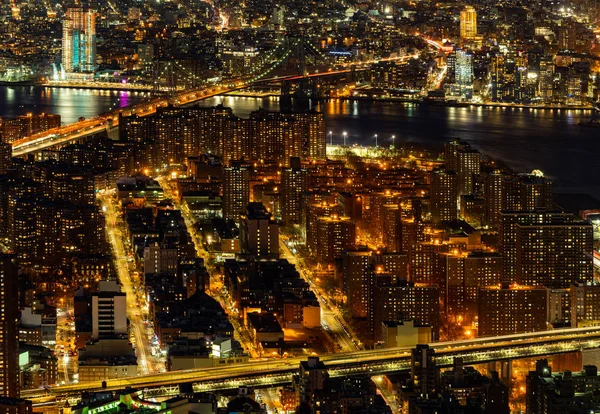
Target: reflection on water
x=71 y=104
x=527 y=139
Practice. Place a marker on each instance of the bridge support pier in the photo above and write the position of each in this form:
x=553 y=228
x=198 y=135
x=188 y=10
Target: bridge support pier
x=590 y=357
x=506 y=372
x=572 y=361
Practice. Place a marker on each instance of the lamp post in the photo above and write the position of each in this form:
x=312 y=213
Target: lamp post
x=376 y=141
x=345 y=135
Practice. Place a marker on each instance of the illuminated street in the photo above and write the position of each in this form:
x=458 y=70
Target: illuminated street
x=331 y=319
x=137 y=308
x=217 y=290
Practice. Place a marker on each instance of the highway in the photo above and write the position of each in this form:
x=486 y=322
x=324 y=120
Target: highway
x=371 y=362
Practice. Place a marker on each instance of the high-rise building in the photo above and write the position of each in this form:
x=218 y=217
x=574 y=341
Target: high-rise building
x=145 y=54
x=169 y=127
x=402 y=300
x=534 y=191
x=585 y=304
x=423 y=371
x=545 y=248
x=14 y=129
x=463 y=73
x=109 y=314
x=5 y=157
x=493 y=195
x=465 y=274
x=444 y=195
x=9 y=320
x=468 y=23
x=313 y=212
x=79 y=40
x=358 y=281
x=276 y=136
x=392 y=227
x=506 y=309
x=294 y=183
x=334 y=235
x=562 y=392
x=236 y=190
x=464 y=161
x=259 y=232
x=313 y=378
x=312 y=127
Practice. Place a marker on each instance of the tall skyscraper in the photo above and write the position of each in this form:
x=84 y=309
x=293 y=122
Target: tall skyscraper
x=236 y=190
x=468 y=23
x=79 y=40
x=463 y=73
x=9 y=318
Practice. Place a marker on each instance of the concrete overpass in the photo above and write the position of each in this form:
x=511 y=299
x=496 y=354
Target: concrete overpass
x=269 y=373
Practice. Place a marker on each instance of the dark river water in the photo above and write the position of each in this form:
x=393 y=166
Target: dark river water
x=526 y=139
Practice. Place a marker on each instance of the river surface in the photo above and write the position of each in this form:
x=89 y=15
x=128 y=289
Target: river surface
x=526 y=139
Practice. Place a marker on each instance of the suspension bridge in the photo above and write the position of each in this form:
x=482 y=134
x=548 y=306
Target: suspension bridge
x=293 y=58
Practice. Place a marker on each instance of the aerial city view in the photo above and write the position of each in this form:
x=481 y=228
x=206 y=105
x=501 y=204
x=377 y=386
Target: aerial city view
x=292 y=206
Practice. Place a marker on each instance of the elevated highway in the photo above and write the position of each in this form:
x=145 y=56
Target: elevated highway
x=371 y=362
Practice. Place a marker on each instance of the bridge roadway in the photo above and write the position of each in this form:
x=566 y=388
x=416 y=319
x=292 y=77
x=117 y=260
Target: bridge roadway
x=77 y=130
x=370 y=362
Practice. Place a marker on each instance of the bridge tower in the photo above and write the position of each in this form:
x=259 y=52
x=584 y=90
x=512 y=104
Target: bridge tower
x=164 y=78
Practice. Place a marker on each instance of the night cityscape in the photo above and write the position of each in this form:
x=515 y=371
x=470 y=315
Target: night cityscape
x=329 y=206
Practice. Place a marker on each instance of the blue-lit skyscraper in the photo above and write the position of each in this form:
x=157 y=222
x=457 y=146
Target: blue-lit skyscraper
x=79 y=40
